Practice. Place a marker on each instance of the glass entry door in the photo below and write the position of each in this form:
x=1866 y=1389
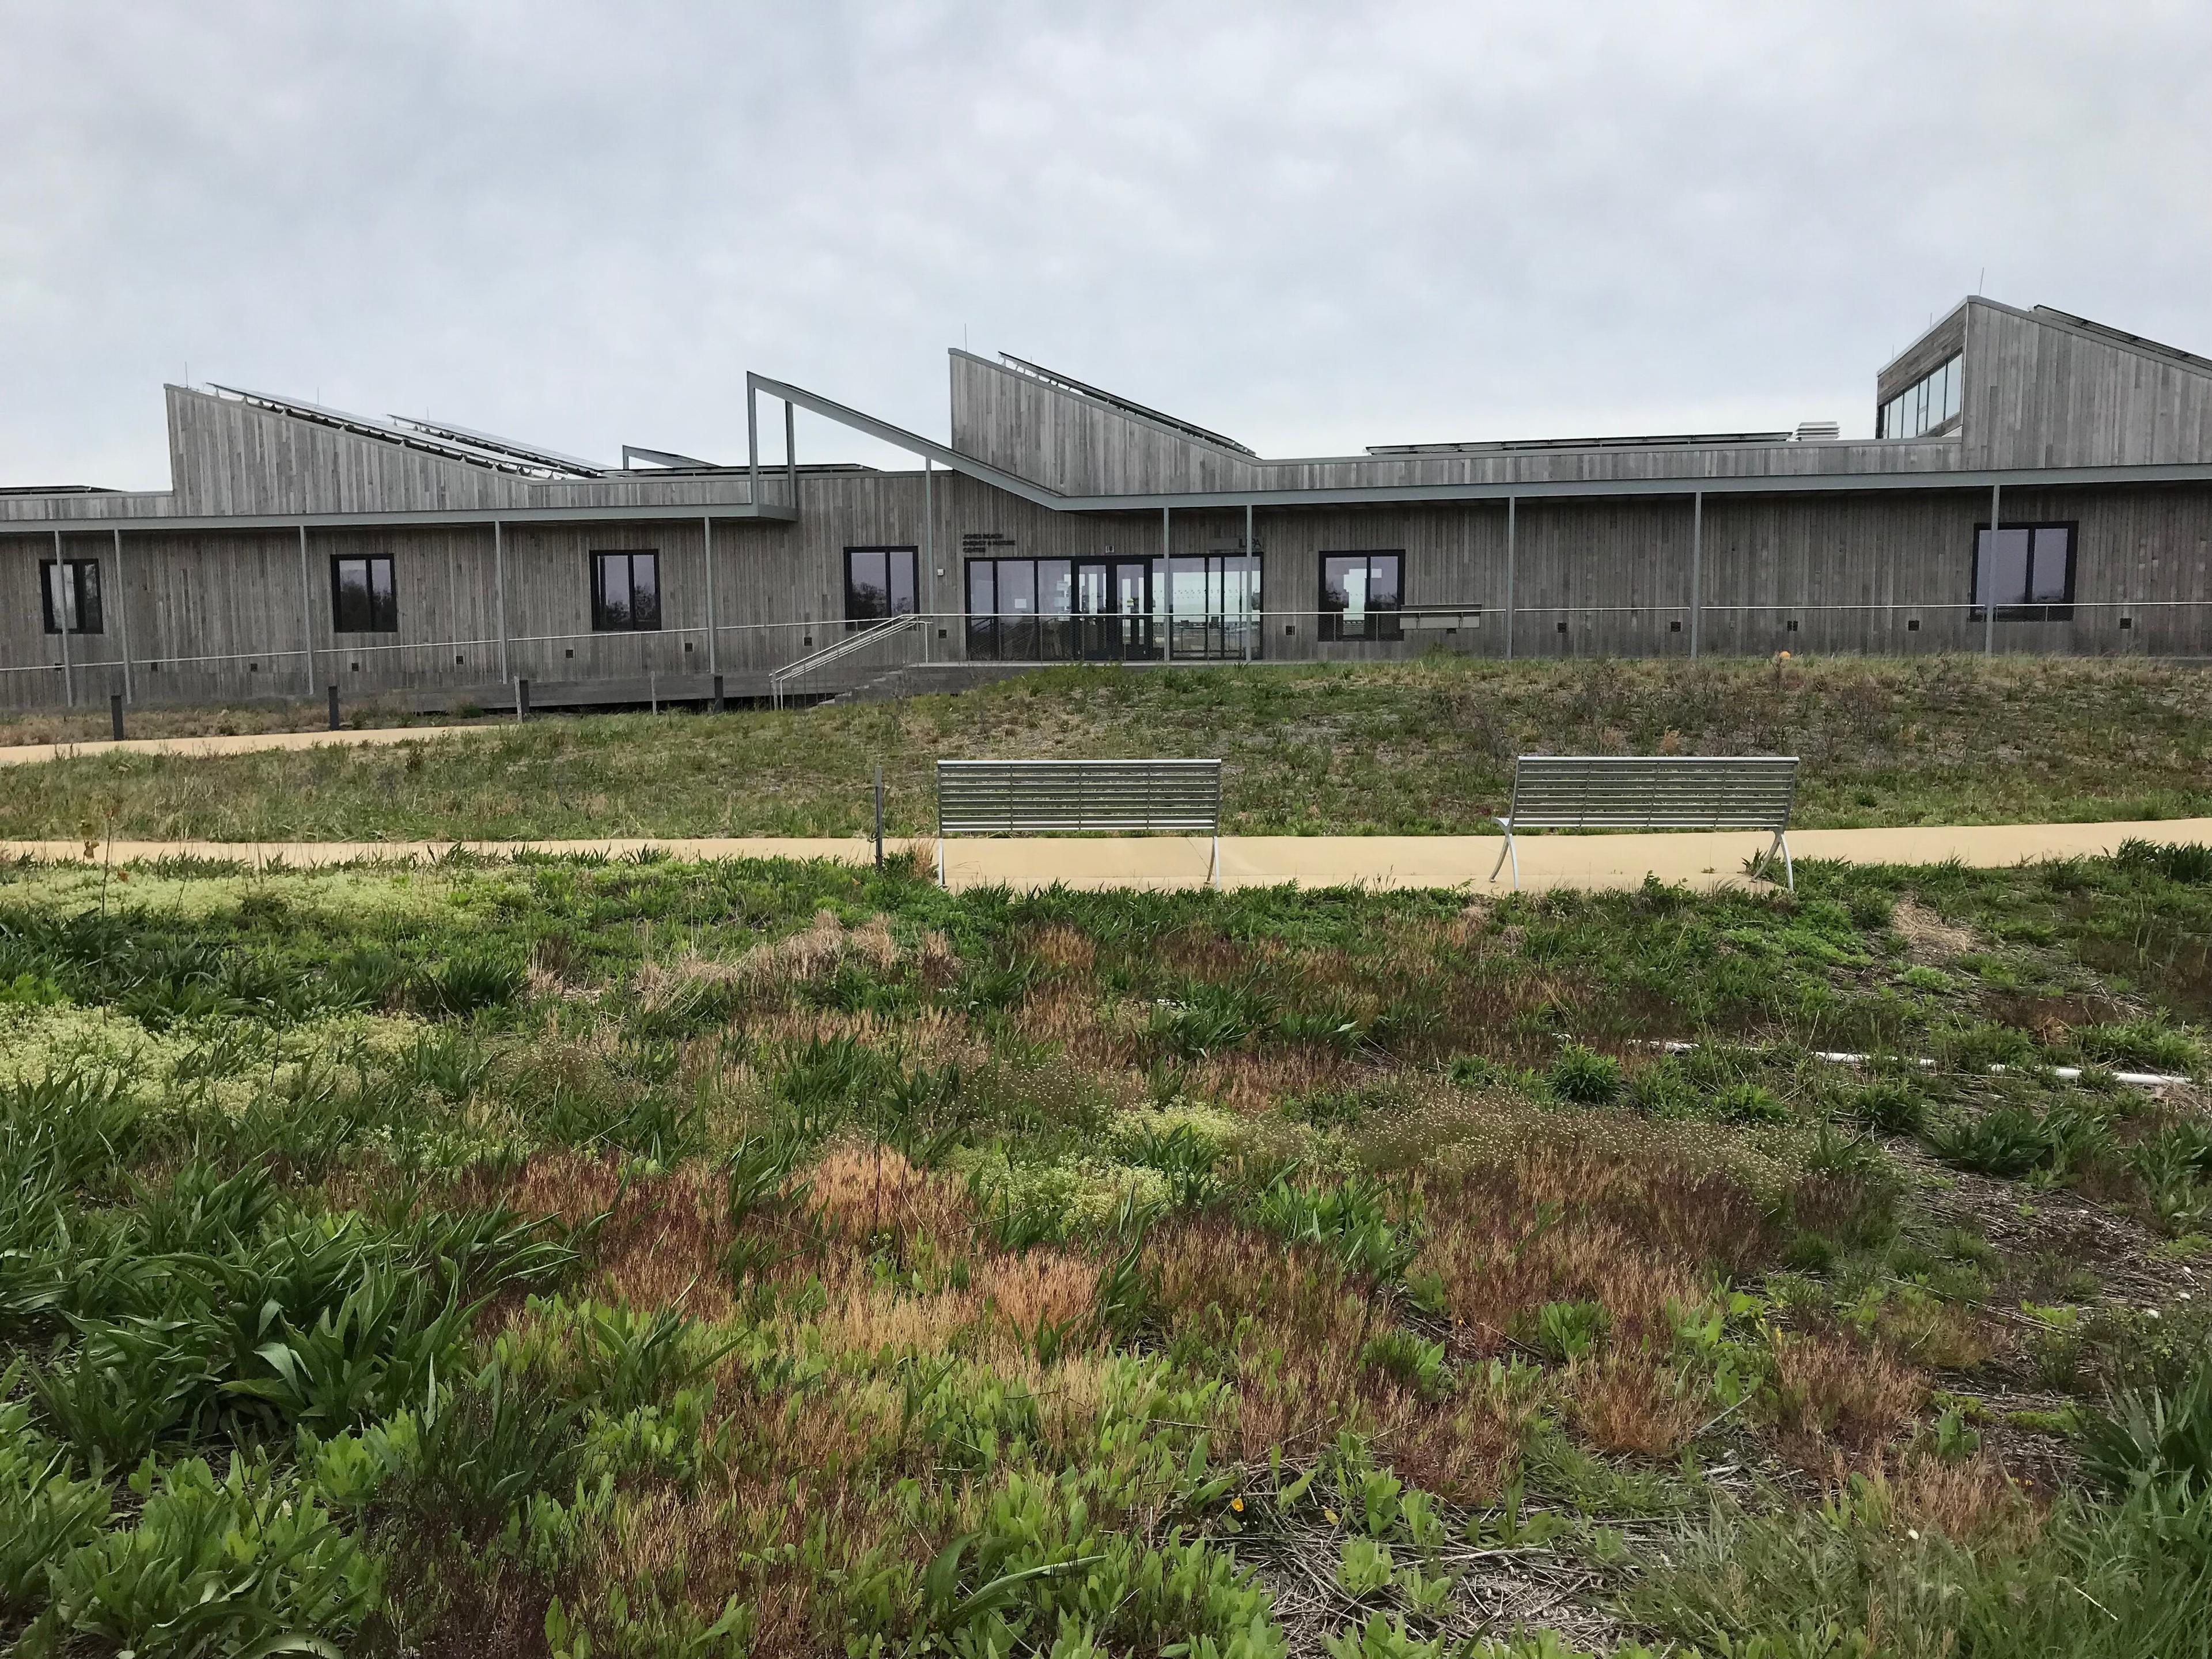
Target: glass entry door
x=1114 y=609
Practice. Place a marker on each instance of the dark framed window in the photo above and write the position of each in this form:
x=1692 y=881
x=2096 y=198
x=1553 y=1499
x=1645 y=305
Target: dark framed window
x=1929 y=403
x=879 y=583
x=1360 y=594
x=625 y=592
x=363 y=599
x=2026 y=570
x=72 y=589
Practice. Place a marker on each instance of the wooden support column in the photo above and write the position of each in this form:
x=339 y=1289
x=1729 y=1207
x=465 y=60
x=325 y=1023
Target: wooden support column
x=791 y=451
x=1697 y=566
x=706 y=541
x=499 y=590
x=123 y=615
x=60 y=595
x=1986 y=568
x=929 y=558
x=1166 y=606
x=1512 y=527
x=752 y=444
x=306 y=613
x=1251 y=552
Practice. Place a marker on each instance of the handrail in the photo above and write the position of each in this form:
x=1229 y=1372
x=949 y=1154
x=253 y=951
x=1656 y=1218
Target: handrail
x=889 y=628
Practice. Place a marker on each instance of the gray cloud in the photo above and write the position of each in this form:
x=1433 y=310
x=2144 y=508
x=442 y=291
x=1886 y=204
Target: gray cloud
x=1311 y=226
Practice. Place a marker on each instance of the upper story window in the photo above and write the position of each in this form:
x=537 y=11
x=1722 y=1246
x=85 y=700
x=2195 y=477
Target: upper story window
x=362 y=597
x=1359 y=596
x=2027 y=570
x=72 y=589
x=1925 y=404
x=625 y=592
x=878 y=583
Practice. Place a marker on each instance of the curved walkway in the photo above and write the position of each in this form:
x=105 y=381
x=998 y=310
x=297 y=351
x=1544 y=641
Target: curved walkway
x=1700 y=861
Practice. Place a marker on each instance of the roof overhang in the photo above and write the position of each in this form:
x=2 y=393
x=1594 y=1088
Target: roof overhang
x=719 y=512
x=1832 y=484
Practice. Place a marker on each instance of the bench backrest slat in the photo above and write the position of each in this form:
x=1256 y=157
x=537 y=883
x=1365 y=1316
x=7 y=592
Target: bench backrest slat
x=1032 y=797
x=1654 y=792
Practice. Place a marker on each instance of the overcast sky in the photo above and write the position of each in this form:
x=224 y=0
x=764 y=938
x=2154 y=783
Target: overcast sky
x=1314 y=227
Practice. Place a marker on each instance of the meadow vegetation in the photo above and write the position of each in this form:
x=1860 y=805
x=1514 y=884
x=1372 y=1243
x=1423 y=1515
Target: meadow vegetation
x=1418 y=747
x=576 y=1257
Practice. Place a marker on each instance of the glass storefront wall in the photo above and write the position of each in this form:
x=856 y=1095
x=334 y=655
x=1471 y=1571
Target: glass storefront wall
x=1107 y=610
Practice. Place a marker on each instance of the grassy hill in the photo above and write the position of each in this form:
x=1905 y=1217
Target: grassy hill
x=1414 y=748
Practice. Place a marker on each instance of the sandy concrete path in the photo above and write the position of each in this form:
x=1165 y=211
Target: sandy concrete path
x=242 y=742
x=1700 y=861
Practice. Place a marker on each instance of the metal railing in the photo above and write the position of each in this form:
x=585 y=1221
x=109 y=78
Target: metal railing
x=871 y=636
x=773 y=655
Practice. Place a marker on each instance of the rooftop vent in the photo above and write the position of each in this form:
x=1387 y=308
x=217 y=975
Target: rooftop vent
x=1818 y=431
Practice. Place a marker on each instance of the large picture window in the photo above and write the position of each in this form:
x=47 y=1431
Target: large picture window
x=625 y=592
x=70 y=589
x=2026 y=570
x=1360 y=596
x=362 y=597
x=879 y=583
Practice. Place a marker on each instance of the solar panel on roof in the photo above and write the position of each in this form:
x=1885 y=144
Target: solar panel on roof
x=367 y=426
x=1022 y=366
x=552 y=459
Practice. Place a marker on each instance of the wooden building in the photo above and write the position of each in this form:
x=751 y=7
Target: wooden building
x=301 y=548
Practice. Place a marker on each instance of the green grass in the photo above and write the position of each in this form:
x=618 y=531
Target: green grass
x=639 y=1257
x=1419 y=747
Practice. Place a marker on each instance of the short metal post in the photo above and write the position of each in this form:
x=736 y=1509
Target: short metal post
x=879 y=816
x=334 y=706
x=115 y=714
x=521 y=700
x=721 y=704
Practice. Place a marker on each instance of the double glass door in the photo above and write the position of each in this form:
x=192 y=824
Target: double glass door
x=1113 y=619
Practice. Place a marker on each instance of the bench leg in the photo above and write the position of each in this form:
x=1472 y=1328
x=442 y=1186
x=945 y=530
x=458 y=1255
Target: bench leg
x=1213 y=870
x=1789 y=872
x=940 y=859
x=1509 y=852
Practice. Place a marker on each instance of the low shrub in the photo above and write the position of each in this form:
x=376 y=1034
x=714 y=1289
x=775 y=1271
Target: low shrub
x=1583 y=1076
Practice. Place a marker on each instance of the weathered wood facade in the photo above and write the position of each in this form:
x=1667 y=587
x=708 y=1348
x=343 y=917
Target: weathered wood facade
x=222 y=587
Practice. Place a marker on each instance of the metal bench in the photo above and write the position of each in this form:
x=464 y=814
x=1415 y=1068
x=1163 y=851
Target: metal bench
x=1653 y=792
x=1077 y=797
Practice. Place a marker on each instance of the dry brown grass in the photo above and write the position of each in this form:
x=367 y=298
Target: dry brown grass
x=1461 y=1448
x=1836 y=1392
x=1928 y=938
x=1632 y=1403
x=1567 y=1223
x=1039 y=1288
x=862 y=1191
x=813 y=955
x=1973 y=1502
